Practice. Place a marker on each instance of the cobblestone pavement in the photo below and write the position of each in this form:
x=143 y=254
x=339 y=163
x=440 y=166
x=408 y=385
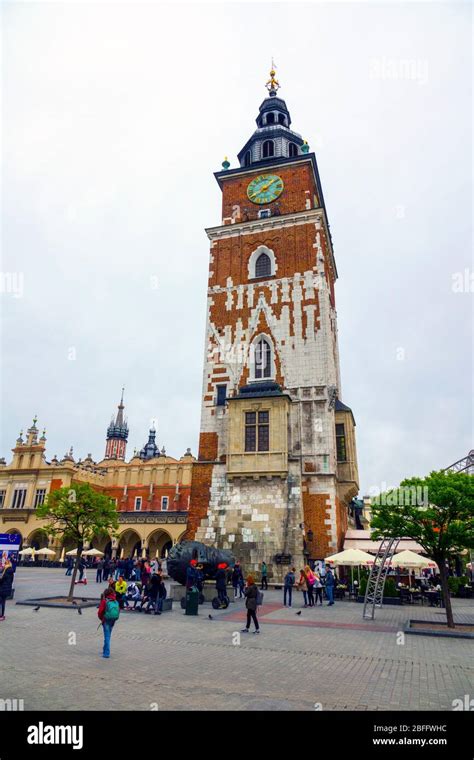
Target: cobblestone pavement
x=326 y=656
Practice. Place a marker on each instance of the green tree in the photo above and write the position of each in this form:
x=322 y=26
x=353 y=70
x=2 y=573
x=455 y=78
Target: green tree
x=78 y=513
x=437 y=512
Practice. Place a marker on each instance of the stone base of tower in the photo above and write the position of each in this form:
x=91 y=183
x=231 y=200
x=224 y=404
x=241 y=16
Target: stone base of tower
x=256 y=519
x=260 y=518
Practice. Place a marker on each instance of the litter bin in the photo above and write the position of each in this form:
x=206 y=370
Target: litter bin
x=192 y=601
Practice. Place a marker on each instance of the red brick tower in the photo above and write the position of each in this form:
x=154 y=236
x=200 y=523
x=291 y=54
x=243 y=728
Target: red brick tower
x=268 y=476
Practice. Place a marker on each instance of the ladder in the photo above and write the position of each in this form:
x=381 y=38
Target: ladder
x=378 y=573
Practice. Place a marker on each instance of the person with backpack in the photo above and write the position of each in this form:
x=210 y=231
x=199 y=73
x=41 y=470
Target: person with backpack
x=288 y=584
x=108 y=613
x=252 y=599
x=6 y=583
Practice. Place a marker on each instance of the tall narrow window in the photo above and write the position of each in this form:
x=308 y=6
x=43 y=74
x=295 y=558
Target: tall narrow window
x=247 y=159
x=282 y=118
x=138 y=503
x=270 y=118
x=341 y=443
x=263 y=431
x=39 y=496
x=268 y=149
x=165 y=503
x=250 y=431
x=19 y=496
x=2 y=497
x=263 y=266
x=221 y=395
x=262 y=359
x=257 y=431
x=293 y=150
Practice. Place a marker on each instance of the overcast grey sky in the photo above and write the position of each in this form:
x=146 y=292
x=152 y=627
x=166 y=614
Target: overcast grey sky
x=114 y=118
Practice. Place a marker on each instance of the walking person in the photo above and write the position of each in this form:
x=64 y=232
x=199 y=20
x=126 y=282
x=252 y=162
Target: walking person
x=251 y=597
x=318 y=590
x=330 y=582
x=6 y=584
x=264 y=576
x=310 y=579
x=99 y=570
x=237 y=577
x=303 y=586
x=221 y=582
x=108 y=613
x=289 y=582
x=105 y=569
x=69 y=564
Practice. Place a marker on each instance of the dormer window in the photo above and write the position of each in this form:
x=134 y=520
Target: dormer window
x=268 y=149
x=264 y=213
x=270 y=118
x=292 y=150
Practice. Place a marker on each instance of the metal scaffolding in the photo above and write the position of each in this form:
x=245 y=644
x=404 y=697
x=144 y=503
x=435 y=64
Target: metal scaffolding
x=378 y=574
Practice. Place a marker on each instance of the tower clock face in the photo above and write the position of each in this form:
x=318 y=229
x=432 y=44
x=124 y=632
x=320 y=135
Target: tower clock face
x=265 y=188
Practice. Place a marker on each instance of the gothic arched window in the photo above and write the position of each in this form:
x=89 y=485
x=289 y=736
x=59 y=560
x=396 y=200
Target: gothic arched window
x=270 y=118
x=292 y=150
x=268 y=149
x=262 y=359
x=247 y=159
x=263 y=266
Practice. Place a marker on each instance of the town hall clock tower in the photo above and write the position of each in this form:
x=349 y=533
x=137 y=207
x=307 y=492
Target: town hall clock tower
x=277 y=459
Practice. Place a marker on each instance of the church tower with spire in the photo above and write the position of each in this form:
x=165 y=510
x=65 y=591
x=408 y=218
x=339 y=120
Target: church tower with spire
x=277 y=460
x=117 y=435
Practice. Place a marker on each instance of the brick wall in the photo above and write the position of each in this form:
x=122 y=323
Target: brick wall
x=315 y=506
x=200 y=494
x=208 y=447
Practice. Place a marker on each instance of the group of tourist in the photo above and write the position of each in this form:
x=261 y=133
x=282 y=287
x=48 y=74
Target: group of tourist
x=312 y=586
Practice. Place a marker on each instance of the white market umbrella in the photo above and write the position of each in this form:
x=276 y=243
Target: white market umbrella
x=351 y=557
x=93 y=553
x=409 y=559
x=48 y=552
x=72 y=553
x=27 y=552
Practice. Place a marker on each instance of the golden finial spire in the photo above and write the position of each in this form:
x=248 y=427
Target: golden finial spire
x=272 y=85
